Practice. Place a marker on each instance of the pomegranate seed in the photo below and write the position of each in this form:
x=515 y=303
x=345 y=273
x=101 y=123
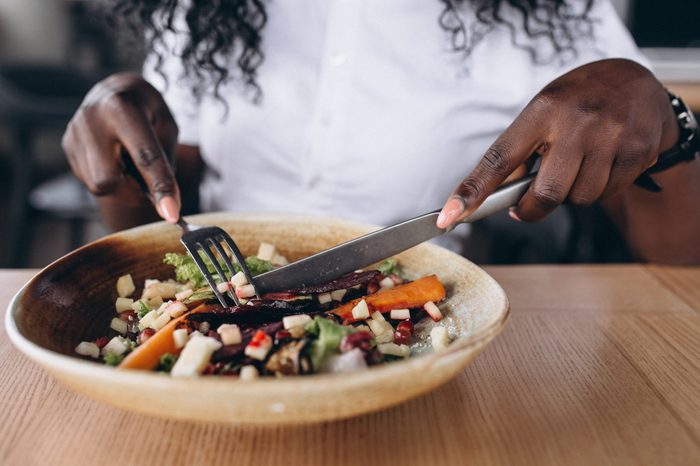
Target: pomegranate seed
x=356 y=340
x=406 y=325
x=101 y=342
x=146 y=334
x=214 y=334
x=402 y=337
x=372 y=288
x=209 y=370
x=128 y=316
x=282 y=335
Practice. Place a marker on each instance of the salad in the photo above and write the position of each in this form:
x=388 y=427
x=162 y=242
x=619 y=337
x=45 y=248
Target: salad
x=362 y=319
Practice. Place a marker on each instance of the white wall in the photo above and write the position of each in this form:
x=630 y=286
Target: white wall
x=33 y=31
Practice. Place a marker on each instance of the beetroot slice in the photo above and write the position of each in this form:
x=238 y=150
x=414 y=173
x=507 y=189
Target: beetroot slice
x=344 y=282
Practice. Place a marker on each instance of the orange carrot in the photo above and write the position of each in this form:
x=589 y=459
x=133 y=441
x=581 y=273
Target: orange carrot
x=147 y=356
x=408 y=296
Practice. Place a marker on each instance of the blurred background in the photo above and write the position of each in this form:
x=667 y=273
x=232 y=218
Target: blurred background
x=53 y=51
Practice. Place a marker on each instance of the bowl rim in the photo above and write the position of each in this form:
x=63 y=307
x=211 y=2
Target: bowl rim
x=86 y=368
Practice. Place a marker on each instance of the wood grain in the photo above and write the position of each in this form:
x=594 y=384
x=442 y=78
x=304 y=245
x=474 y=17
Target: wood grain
x=599 y=365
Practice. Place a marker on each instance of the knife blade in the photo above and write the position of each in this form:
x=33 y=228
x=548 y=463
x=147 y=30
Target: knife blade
x=376 y=246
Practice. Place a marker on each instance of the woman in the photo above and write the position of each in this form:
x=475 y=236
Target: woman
x=376 y=110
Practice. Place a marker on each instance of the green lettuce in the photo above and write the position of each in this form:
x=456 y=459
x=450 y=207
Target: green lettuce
x=390 y=266
x=329 y=334
x=186 y=269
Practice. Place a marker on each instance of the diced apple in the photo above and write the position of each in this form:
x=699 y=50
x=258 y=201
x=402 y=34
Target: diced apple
x=180 y=337
x=195 y=356
x=324 y=298
x=239 y=280
x=123 y=304
x=118 y=325
x=386 y=283
x=154 y=302
x=338 y=295
x=379 y=327
x=223 y=287
x=160 y=322
x=162 y=290
x=394 y=349
x=362 y=328
x=149 y=281
x=386 y=337
x=195 y=334
x=433 y=311
x=88 y=348
x=204 y=327
x=245 y=291
x=376 y=315
x=279 y=259
x=400 y=314
x=115 y=346
x=256 y=352
x=360 y=311
x=297 y=332
x=230 y=334
x=266 y=251
x=148 y=319
x=136 y=306
x=259 y=346
x=293 y=321
x=248 y=373
x=439 y=338
x=175 y=309
x=184 y=294
x=125 y=286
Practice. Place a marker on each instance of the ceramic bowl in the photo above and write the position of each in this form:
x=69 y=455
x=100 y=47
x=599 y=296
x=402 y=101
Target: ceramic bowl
x=73 y=300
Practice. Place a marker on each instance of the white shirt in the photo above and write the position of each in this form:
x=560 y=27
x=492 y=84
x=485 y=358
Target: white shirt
x=367 y=112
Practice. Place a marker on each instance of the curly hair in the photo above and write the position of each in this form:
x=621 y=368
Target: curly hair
x=224 y=32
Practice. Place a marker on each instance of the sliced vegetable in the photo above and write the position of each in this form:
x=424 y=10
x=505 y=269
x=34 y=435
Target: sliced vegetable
x=147 y=355
x=407 y=296
x=330 y=335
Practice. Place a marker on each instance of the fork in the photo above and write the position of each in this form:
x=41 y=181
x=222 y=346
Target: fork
x=201 y=240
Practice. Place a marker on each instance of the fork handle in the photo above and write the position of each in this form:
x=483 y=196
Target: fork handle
x=502 y=198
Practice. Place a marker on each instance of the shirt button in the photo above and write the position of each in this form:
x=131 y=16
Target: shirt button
x=338 y=59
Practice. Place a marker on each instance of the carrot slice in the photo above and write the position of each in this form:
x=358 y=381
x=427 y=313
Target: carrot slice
x=408 y=296
x=147 y=356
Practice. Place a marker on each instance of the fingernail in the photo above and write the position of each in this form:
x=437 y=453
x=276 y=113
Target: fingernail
x=169 y=209
x=513 y=215
x=450 y=212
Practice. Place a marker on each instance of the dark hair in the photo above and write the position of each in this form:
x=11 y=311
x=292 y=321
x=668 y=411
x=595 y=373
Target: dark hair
x=224 y=30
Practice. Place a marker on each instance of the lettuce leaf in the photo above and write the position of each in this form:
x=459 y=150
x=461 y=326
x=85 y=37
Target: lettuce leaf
x=186 y=269
x=390 y=266
x=329 y=334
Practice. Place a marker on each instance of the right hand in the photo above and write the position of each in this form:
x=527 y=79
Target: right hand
x=124 y=116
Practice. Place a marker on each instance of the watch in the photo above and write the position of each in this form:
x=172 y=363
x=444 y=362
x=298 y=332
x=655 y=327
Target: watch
x=686 y=149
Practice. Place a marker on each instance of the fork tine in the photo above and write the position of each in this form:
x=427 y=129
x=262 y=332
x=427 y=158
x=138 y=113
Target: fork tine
x=207 y=244
x=239 y=258
x=194 y=253
x=228 y=264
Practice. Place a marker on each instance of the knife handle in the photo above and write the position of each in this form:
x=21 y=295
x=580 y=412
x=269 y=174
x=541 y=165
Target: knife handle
x=504 y=197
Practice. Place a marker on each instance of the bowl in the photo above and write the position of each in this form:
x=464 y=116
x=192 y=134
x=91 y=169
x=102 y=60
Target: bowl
x=73 y=300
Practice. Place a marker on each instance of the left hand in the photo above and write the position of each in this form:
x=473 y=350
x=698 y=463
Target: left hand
x=597 y=129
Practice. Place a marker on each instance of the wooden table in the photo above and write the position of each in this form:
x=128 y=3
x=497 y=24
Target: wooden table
x=598 y=365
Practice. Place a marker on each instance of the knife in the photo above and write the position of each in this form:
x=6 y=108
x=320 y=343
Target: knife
x=374 y=247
